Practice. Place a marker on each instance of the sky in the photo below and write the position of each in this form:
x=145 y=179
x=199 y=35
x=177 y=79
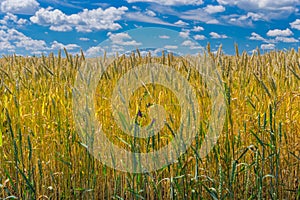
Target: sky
x=35 y=27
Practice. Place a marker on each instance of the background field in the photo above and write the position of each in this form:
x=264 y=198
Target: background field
x=256 y=157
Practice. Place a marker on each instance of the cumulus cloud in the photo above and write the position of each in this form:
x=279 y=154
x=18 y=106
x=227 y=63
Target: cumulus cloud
x=184 y=34
x=267 y=46
x=270 y=8
x=6 y=46
x=85 y=21
x=279 y=37
x=243 y=20
x=197 y=28
x=18 y=39
x=181 y=23
x=188 y=43
x=191 y=44
x=286 y=39
x=61 y=28
x=296 y=24
x=11 y=19
x=31 y=44
x=277 y=32
x=199 y=37
x=170 y=2
x=215 y=35
x=123 y=39
x=94 y=51
x=26 y=7
x=56 y=45
x=211 y=9
x=12 y=40
x=262 y=4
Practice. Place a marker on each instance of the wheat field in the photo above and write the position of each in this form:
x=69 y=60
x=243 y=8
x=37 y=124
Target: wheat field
x=256 y=157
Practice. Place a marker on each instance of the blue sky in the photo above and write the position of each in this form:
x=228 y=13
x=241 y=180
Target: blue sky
x=32 y=27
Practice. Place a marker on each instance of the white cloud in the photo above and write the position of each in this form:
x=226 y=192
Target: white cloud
x=6 y=45
x=3 y=27
x=191 y=44
x=97 y=51
x=150 y=13
x=85 y=21
x=38 y=53
x=171 y=47
x=211 y=9
x=267 y=46
x=255 y=36
x=199 y=37
x=238 y=21
x=14 y=37
x=296 y=24
x=116 y=48
x=123 y=39
x=277 y=32
x=217 y=36
x=19 y=6
x=57 y=45
x=181 y=23
x=62 y=28
x=255 y=16
x=94 y=51
x=21 y=21
x=164 y=37
x=170 y=2
x=49 y=17
x=261 y=4
x=270 y=8
x=188 y=43
x=136 y=8
x=184 y=34
x=198 y=28
x=226 y=2
x=286 y=39
x=243 y=20
x=11 y=19
x=8 y=17
x=10 y=35
x=31 y=44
